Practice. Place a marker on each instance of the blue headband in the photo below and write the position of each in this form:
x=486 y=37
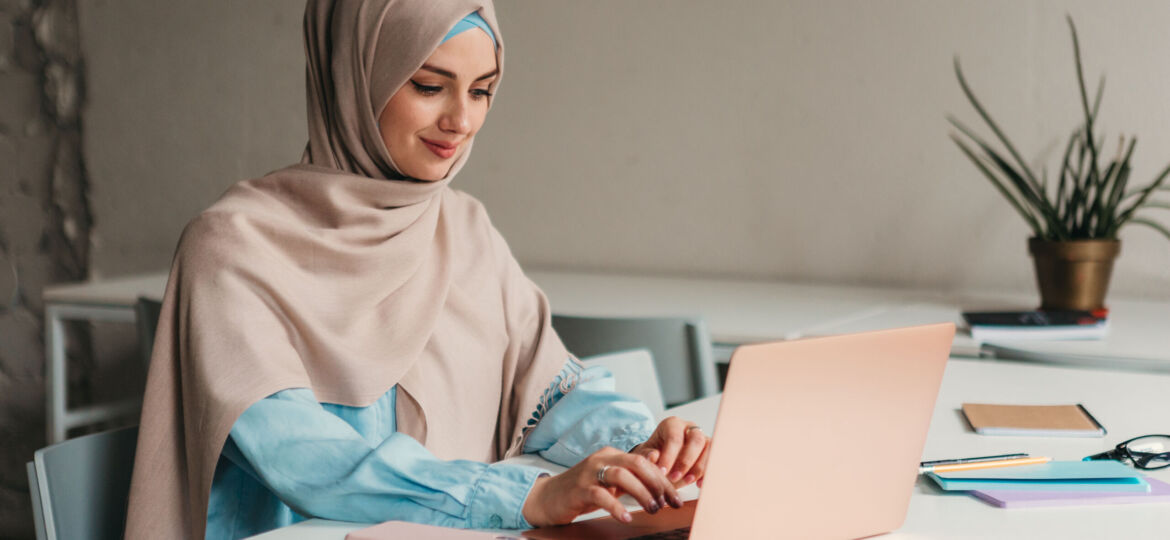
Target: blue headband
x=467 y=23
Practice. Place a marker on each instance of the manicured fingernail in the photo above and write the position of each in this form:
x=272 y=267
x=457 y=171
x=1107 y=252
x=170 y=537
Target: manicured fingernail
x=674 y=476
x=653 y=508
x=626 y=517
x=675 y=501
x=690 y=478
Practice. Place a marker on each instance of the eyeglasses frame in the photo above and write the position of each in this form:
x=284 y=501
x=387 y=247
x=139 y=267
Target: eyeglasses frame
x=1122 y=451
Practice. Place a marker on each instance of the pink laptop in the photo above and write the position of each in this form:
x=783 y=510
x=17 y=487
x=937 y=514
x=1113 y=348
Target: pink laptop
x=815 y=438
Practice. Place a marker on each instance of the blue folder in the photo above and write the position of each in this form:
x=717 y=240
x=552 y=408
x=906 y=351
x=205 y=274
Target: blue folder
x=1052 y=476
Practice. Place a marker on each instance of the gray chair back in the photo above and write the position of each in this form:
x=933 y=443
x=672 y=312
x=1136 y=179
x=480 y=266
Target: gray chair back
x=146 y=313
x=80 y=487
x=681 y=348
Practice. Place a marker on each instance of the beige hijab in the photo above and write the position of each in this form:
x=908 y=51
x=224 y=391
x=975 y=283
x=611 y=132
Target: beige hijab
x=340 y=275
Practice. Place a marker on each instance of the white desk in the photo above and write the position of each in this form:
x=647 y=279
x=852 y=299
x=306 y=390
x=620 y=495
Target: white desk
x=1139 y=340
x=736 y=312
x=751 y=311
x=1128 y=404
x=1139 y=335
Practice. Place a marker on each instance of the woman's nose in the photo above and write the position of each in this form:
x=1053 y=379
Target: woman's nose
x=455 y=119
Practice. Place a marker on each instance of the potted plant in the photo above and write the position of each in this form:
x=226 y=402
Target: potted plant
x=1076 y=217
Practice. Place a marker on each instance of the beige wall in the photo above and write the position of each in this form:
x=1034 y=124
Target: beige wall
x=794 y=140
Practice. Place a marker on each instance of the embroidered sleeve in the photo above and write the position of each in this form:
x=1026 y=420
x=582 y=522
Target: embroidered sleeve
x=569 y=376
x=581 y=413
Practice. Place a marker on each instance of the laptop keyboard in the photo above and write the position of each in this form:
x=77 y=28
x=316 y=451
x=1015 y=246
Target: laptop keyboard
x=676 y=534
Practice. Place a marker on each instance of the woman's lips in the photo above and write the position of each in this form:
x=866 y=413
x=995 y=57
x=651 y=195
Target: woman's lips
x=442 y=149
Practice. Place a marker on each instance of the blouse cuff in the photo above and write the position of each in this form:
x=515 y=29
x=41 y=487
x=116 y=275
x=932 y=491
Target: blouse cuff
x=497 y=501
x=569 y=451
x=633 y=438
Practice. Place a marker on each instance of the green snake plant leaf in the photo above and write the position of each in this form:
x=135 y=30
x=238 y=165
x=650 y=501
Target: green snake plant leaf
x=1102 y=189
x=1145 y=194
x=1097 y=100
x=991 y=123
x=1065 y=173
x=1118 y=175
x=1093 y=171
x=1115 y=200
x=1152 y=187
x=1037 y=200
x=1153 y=225
x=1087 y=198
x=999 y=185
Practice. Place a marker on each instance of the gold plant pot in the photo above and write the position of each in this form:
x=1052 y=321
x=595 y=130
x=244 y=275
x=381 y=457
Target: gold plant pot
x=1073 y=274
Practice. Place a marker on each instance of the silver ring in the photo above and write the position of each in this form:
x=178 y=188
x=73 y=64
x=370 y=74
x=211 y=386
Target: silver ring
x=689 y=428
x=601 y=476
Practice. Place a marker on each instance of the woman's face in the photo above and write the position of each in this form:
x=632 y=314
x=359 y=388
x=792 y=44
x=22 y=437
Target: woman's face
x=429 y=123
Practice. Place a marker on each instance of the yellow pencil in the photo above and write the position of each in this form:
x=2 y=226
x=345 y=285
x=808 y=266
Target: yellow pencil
x=986 y=464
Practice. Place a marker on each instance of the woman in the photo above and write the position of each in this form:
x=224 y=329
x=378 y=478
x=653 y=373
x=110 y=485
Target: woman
x=350 y=338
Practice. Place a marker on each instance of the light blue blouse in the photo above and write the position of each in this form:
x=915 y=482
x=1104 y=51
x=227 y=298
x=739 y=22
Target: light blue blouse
x=290 y=458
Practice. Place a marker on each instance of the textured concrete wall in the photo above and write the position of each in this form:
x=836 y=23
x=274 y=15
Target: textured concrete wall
x=183 y=100
x=44 y=226
x=794 y=140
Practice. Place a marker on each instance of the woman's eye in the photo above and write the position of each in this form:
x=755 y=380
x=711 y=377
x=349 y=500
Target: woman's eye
x=426 y=90
x=480 y=93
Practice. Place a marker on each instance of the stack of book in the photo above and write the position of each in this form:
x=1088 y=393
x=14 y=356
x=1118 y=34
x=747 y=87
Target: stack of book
x=1056 y=483
x=1037 y=325
x=1017 y=480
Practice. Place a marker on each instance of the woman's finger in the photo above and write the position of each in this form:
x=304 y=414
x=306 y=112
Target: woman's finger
x=630 y=483
x=652 y=457
x=671 y=435
x=645 y=449
x=696 y=441
x=652 y=478
x=602 y=498
x=699 y=469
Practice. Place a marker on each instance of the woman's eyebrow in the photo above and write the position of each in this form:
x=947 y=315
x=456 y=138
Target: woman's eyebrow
x=451 y=75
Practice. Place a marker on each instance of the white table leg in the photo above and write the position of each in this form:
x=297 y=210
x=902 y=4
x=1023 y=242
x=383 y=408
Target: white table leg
x=55 y=374
x=58 y=417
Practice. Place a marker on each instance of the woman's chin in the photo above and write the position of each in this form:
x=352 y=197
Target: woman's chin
x=430 y=174
x=433 y=177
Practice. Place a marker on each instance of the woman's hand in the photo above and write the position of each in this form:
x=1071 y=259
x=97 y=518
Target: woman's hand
x=584 y=488
x=679 y=448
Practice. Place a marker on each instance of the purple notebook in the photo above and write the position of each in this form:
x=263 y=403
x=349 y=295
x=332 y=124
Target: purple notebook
x=1159 y=492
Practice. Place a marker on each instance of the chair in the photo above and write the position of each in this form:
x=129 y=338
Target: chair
x=80 y=487
x=146 y=313
x=633 y=373
x=680 y=346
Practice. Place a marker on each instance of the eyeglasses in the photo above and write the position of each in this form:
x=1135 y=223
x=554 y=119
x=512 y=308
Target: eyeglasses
x=1147 y=452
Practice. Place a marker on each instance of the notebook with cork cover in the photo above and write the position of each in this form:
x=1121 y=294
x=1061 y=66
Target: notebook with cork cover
x=1032 y=420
